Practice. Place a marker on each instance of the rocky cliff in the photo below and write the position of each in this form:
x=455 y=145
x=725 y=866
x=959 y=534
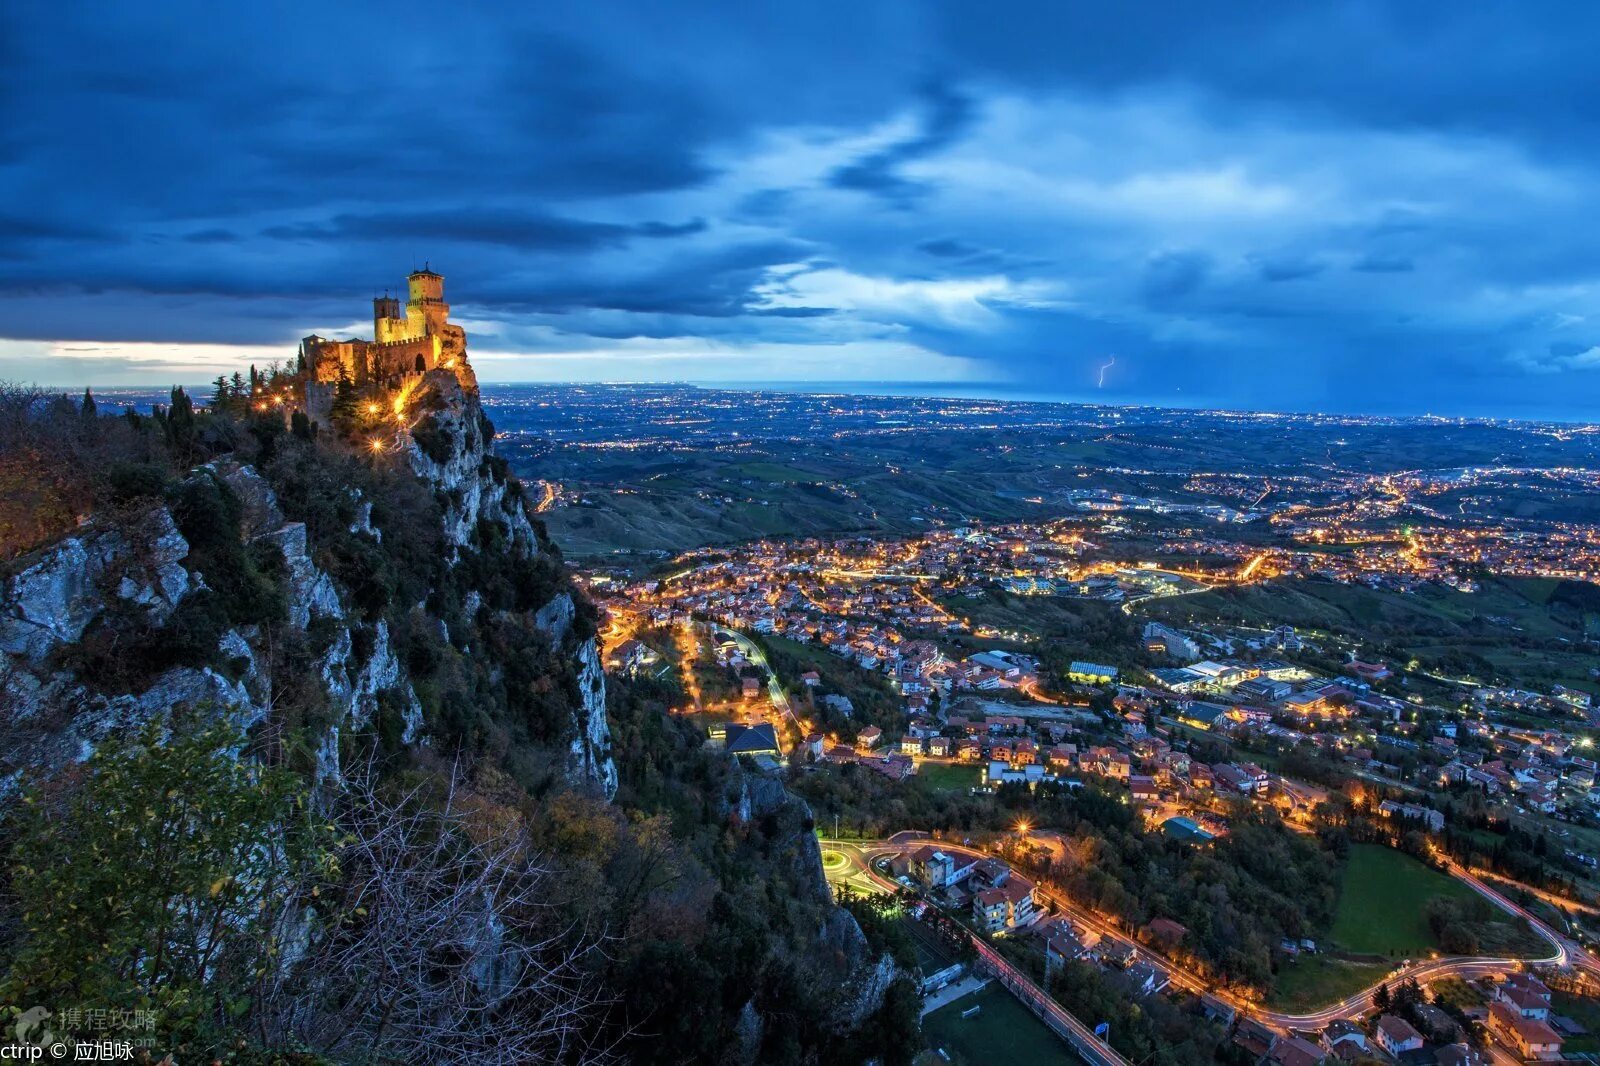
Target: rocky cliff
x=131 y=586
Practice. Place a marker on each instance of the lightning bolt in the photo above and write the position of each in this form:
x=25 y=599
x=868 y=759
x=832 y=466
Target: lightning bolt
x=1109 y=364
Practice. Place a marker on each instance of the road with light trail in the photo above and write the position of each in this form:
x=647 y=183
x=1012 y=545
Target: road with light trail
x=1565 y=951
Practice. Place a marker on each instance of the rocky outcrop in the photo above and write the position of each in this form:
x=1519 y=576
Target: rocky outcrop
x=457 y=462
x=53 y=600
x=449 y=447
x=140 y=567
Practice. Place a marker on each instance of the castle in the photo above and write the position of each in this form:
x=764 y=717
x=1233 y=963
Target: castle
x=422 y=339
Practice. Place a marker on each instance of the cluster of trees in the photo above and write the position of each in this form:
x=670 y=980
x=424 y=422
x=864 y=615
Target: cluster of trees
x=1238 y=897
x=870 y=695
x=208 y=889
x=741 y=921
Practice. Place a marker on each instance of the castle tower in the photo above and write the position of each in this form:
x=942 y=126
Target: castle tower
x=387 y=324
x=426 y=311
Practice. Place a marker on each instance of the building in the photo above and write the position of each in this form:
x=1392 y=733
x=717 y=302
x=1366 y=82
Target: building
x=1295 y=1051
x=1264 y=690
x=1431 y=819
x=751 y=740
x=1062 y=944
x=868 y=738
x=1165 y=932
x=1147 y=978
x=940 y=869
x=1092 y=673
x=1533 y=1037
x=418 y=340
x=1005 y=906
x=1395 y=1035
x=1246 y=778
x=1170 y=642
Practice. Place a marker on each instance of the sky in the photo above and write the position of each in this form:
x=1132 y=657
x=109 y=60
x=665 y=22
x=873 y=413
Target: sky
x=1345 y=207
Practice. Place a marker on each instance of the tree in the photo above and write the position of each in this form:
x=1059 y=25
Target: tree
x=87 y=409
x=1381 y=998
x=344 y=408
x=440 y=935
x=164 y=881
x=180 y=425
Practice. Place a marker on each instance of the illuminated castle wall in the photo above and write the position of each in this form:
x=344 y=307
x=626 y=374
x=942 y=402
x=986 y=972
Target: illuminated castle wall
x=422 y=338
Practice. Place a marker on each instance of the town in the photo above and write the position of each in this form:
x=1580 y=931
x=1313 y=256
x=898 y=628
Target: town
x=1007 y=662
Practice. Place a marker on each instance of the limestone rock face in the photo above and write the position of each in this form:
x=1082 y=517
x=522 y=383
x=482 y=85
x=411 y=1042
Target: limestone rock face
x=137 y=564
x=590 y=756
x=53 y=600
x=458 y=465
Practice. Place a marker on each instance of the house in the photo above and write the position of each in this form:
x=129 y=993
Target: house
x=1459 y=1055
x=1246 y=778
x=1143 y=789
x=631 y=655
x=1395 y=1035
x=1532 y=1037
x=1119 y=953
x=1254 y=1037
x=1062 y=944
x=1217 y=1010
x=939 y=747
x=868 y=738
x=1146 y=978
x=811 y=679
x=750 y=687
x=1526 y=994
x=1165 y=932
x=1343 y=1031
x=910 y=745
x=1296 y=1051
x=812 y=746
x=1439 y=1026
x=1005 y=906
x=940 y=869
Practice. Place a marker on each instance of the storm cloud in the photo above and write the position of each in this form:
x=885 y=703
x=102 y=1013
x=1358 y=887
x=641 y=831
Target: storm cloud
x=1353 y=207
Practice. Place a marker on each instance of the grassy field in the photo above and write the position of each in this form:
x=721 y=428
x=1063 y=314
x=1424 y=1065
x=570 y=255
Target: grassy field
x=1381 y=902
x=946 y=777
x=1380 y=921
x=1313 y=981
x=1002 y=1031
x=1038 y=615
x=1512 y=630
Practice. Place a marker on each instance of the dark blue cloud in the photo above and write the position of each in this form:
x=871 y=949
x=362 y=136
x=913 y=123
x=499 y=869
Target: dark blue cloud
x=1009 y=191
x=947 y=115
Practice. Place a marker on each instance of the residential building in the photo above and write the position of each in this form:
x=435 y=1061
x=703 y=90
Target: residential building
x=1396 y=1035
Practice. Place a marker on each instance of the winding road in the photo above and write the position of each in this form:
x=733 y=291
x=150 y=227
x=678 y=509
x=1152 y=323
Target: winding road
x=861 y=854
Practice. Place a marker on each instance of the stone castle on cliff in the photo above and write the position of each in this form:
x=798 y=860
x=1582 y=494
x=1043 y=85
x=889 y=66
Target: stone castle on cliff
x=405 y=346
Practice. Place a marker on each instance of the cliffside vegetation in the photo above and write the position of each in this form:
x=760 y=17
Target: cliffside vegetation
x=369 y=841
